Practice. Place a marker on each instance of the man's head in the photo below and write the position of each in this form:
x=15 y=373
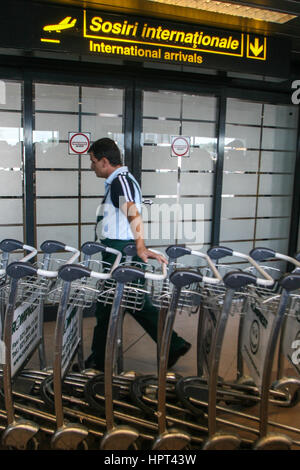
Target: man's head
x=105 y=157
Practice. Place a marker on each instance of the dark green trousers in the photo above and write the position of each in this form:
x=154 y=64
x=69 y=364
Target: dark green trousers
x=147 y=317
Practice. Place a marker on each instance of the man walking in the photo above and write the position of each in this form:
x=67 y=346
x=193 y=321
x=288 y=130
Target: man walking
x=119 y=222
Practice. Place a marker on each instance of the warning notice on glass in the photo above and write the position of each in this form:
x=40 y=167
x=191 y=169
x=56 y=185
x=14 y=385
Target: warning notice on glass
x=79 y=143
x=180 y=146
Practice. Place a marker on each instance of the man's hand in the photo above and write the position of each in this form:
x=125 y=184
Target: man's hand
x=144 y=253
x=136 y=224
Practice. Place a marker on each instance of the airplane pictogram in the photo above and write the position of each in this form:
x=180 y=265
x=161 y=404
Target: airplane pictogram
x=66 y=23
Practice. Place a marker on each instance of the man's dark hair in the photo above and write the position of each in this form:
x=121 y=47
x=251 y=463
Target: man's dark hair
x=106 y=147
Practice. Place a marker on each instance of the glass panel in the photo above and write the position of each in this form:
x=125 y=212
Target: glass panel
x=102 y=100
x=10 y=95
x=61 y=124
x=243 y=112
x=87 y=233
x=8 y=120
x=65 y=234
x=91 y=185
x=276 y=184
x=56 y=183
x=237 y=229
x=164 y=104
x=242 y=137
x=278 y=161
x=88 y=209
x=56 y=211
x=280 y=116
x=239 y=158
x=199 y=107
x=238 y=207
x=279 y=139
x=102 y=127
x=272 y=228
x=158 y=158
x=159 y=183
x=239 y=184
x=56 y=98
x=11 y=211
x=156 y=126
x=274 y=206
x=52 y=154
x=196 y=184
x=12 y=232
x=11 y=183
x=200 y=159
x=11 y=154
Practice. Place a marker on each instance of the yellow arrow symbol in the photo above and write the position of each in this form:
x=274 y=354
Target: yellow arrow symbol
x=256 y=48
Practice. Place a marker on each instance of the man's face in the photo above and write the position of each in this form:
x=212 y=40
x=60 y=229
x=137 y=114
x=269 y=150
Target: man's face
x=98 y=166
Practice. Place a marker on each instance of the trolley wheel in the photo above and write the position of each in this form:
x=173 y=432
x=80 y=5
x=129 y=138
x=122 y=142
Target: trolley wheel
x=290 y=388
x=147 y=385
x=192 y=387
x=244 y=381
x=95 y=386
x=46 y=391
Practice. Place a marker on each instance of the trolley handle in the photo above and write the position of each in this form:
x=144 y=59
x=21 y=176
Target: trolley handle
x=20 y=269
x=290 y=282
x=177 y=251
x=126 y=273
x=263 y=254
x=155 y=276
x=268 y=281
x=218 y=252
x=8 y=245
x=217 y=276
x=71 y=272
x=52 y=246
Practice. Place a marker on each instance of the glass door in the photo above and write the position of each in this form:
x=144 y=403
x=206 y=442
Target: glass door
x=259 y=165
x=11 y=160
x=180 y=188
x=67 y=192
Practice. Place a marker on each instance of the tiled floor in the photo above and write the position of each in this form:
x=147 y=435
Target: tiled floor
x=140 y=356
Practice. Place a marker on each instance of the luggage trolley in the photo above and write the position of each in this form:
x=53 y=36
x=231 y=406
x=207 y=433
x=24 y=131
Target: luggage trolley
x=7 y=246
x=23 y=320
x=77 y=288
x=216 y=305
x=175 y=439
x=120 y=437
x=23 y=329
x=161 y=293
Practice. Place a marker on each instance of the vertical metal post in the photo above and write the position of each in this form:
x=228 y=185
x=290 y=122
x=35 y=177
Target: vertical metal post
x=218 y=181
x=137 y=132
x=128 y=126
x=110 y=354
x=29 y=163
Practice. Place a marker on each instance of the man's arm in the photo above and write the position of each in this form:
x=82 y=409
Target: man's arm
x=137 y=227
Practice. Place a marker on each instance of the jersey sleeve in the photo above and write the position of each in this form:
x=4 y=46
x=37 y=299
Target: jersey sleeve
x=121 y=189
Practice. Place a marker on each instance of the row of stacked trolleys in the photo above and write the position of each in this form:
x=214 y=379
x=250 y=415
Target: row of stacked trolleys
x=53 y=407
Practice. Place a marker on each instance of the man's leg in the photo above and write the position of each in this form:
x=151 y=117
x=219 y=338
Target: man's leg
x=148 y=319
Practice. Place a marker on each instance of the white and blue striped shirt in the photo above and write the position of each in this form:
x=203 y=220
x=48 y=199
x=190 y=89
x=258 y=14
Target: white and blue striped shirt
x=120 y=187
